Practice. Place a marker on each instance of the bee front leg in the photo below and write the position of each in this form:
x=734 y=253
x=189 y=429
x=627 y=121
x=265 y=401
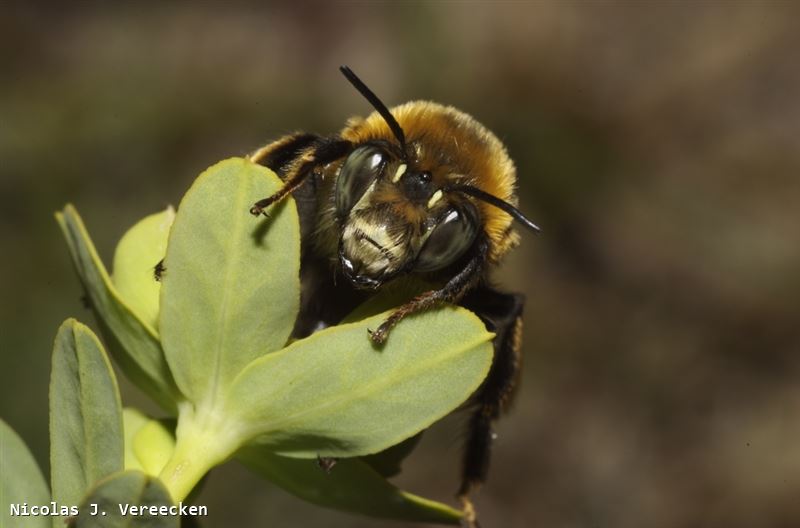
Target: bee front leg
x=295 y=158
x=279 y=154
x=294 y=180
x=502 y=314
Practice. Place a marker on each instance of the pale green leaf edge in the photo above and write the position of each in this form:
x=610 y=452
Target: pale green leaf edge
x=132 y=421
x=173 y=357
x=135 y=258
x=126 y=488
x=148 y=370
x=21 y=480
x=103 y=449
x=352 y=486
x=482 y=338
x=153 y=446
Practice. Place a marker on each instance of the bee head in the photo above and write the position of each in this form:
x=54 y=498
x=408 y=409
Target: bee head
x=405 y=209
x=395 y=220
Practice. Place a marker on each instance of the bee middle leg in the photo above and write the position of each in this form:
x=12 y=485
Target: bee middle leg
x=502 y=314
x=452 y=291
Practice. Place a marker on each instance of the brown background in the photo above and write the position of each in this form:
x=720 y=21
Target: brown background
x=657 y=145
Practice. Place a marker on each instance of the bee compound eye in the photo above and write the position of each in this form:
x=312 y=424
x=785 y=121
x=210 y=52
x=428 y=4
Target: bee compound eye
x=360 y=169
x=452 y=235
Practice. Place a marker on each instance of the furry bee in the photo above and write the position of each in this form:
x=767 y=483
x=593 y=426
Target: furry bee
x=419 y=194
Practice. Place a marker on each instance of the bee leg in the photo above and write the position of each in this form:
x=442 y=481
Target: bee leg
x=320 y=152
x=470 y=519
x=280 y=153
x=453 y=291
x=502 y=314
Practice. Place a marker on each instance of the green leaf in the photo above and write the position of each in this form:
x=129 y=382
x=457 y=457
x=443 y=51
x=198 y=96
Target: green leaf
x=231 y=289
x=86 y=441
x=21 y=481
x=133 y=343
x=154 y=445
x=137 y=253
x=388 y=298
x=132 y=421
x=333 y=394
x=130 y=488
x=389 y=462
x=352 y=485
x=148 y=442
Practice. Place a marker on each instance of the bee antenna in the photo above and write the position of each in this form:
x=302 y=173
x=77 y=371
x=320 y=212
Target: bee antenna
x=370 y=96
x=495 y=201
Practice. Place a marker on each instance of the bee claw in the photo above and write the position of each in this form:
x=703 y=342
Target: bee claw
x=470 y=519
x=258 y=211
x=378 y=336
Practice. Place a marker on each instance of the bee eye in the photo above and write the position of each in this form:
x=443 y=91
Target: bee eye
x=450 y=238
x=360 y=169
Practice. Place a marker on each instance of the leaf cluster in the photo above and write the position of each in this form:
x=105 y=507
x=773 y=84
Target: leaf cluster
x=210 y=343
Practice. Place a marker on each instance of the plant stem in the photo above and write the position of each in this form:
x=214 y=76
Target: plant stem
x=202 y=442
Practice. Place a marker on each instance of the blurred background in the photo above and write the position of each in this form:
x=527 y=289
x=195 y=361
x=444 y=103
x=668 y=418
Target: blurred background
x=657 y=146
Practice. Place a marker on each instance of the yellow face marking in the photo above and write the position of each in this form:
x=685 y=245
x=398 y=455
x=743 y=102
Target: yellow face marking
x=399 y=174
x=435 y=198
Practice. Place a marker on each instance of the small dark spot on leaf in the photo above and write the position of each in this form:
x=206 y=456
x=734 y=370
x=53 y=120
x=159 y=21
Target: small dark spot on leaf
x=326 y=464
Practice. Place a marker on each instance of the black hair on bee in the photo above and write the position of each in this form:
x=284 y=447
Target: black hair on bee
x=419 y=192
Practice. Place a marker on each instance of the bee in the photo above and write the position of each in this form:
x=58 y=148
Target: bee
x=419 y=194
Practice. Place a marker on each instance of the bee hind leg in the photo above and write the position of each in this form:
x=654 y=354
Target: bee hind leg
x=502 y=314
